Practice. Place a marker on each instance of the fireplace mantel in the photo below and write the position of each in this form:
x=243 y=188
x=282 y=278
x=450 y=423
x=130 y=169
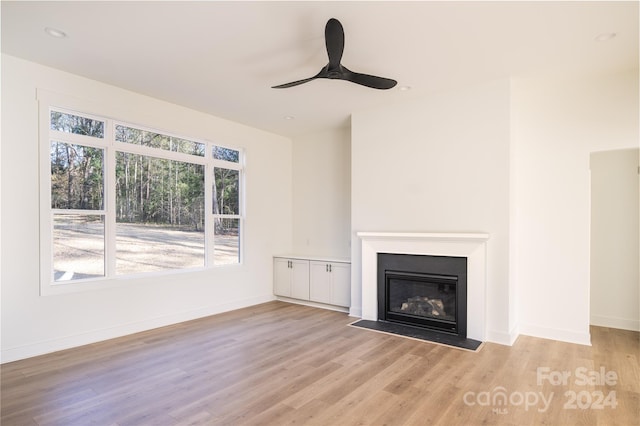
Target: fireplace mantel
x=424 y=236
x=469 y=245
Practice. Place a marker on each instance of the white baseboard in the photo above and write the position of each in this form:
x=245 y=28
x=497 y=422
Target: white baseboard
x=313 y=304
x=503 y=338
x=54 y=345
x=556 y=334
x=611 y=322
x=355 y=312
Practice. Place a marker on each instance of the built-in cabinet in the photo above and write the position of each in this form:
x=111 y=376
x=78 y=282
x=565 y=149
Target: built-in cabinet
x=291 y=278
x=326 y=281
x=329 y=282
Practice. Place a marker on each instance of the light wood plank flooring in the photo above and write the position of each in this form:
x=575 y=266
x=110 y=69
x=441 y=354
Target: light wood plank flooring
x=284 y=364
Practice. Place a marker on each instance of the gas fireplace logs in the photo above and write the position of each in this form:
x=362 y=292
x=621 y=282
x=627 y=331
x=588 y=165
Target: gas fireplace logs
x=423 y=306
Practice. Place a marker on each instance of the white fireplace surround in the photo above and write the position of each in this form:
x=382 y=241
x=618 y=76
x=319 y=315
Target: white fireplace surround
x=469 y=245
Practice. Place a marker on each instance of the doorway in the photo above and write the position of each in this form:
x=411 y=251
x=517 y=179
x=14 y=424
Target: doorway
x=615 y=232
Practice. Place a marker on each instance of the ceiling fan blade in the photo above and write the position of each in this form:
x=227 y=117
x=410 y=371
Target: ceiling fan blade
x=334 y=40
x=368 y=80
x=294 y=83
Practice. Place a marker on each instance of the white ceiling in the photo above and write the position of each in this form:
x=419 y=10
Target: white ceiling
x=223 y=57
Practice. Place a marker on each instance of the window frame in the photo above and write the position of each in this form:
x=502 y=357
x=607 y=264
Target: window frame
x=48 y=102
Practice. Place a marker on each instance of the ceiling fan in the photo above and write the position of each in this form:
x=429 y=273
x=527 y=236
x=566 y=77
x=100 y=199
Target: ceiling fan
x=334 y=39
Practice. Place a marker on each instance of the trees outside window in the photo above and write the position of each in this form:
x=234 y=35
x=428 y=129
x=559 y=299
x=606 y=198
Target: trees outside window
x=159 y=214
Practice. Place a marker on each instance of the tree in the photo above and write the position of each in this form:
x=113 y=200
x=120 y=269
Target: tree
x=76 y=176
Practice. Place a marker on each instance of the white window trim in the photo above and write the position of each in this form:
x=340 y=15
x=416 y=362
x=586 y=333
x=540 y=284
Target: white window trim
x=48 y=101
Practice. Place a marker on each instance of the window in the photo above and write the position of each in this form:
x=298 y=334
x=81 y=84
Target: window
x=125 y=200
x=157 y=140
x=77 y=196
x=159 y=214
x=226 y=204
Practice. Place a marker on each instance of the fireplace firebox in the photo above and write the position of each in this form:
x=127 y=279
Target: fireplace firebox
x=423 y=291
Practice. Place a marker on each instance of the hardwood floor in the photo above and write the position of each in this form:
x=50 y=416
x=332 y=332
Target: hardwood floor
x=285 y=364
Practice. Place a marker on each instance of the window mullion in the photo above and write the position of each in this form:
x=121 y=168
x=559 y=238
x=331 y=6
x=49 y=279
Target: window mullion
x=110 y=201
x=209 y=243
x=79 y=212
x=56 y=135
x=158 y=153
x=226 y=164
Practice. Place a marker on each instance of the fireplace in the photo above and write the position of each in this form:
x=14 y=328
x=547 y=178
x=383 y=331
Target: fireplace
x=423 y=291
x=471 y=246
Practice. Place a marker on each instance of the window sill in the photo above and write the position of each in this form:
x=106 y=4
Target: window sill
x=93 y=284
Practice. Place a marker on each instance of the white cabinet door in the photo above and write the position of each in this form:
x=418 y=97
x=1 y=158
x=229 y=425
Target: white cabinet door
x=340 y=284
x=300 y=279
x=281 y=277
x=330 y=283
x=319 y=282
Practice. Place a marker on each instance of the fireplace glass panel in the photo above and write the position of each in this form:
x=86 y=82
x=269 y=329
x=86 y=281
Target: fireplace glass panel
x=423 y=291
x=423 y=297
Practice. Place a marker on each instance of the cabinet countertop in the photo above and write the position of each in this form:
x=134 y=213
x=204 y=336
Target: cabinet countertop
x=315 y=258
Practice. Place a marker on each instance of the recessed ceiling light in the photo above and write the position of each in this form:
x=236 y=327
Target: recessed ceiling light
x=605 y=36
x=55 y=33
x=404 y=88
x=289 y=117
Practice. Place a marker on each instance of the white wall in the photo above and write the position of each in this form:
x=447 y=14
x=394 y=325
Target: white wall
x=558 y=123
x=615 y=255
x=439 y=164
x=509 y=159
x=32 y=324
x=321 y=193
